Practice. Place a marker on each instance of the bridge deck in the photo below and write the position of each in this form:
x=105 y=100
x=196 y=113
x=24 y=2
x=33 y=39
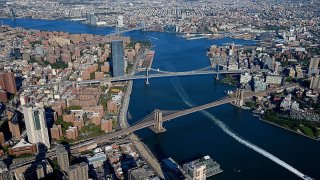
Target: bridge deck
x=152 y=122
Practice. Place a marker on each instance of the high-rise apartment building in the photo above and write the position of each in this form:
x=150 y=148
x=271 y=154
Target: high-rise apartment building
x=14 y=129
x=62 y=157
x=36 y=125
x=315 y=83
x=78 y=171
x=117 y=58
x=313 y=66
x=8 y=82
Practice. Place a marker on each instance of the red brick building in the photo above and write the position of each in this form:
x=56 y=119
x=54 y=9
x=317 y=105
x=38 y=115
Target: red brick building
x=14 y=129
x=8 y=82
x=56 y=132
x=3 y=96
x=98 y=75
x=22 y=147
x=72 y=133
x=2 y=140
x=106 y=125
x=112 y=107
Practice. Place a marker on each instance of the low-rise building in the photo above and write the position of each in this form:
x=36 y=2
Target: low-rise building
x=245 y=78
x=97 y=160
x=106 y=125
x=56 y=132
x=72 y=133
x=273 y=80
x=143 y=172
x=259 y=85
x=23 y=147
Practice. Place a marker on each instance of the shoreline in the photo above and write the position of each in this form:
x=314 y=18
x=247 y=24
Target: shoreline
x=110 y=26
x=277 y=125
x=143 y=150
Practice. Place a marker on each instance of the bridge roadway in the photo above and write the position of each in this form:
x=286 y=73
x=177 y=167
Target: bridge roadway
x=160 y=75
x=134 y=77
x=145 y=124
x=129 y=30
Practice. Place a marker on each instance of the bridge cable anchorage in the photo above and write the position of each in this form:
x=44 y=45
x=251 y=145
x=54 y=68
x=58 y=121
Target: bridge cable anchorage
x=239 y=96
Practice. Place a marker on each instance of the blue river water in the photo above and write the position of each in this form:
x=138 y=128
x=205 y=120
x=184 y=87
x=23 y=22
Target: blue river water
x=199 y=134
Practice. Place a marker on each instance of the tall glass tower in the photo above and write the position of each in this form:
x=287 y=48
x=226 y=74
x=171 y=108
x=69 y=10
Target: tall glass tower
x=117 y=58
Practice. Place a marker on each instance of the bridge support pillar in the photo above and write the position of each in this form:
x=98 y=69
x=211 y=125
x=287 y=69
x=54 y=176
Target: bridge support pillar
x=158 y=128
x=147 y=75
x=239 y=95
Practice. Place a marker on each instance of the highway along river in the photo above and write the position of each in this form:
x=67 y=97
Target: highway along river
x=233 y=137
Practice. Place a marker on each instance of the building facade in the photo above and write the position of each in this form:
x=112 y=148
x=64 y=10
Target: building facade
x=78 y=171
x=315 y=83
x=62 y=157
x=8 y=82
x=313 y=66
x=36 y=125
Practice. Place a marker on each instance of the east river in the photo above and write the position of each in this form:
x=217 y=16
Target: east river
x=245 y=147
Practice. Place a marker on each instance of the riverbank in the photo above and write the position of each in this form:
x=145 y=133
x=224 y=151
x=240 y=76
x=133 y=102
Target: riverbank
x=277 y=125
x=143 y=150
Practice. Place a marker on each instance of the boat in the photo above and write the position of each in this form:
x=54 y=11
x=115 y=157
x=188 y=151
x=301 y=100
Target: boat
x=237 y=170
x=229 y=92
x=305 y=177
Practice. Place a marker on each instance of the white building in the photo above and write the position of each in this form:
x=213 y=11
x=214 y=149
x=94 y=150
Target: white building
x=120 y=21
x=36 y=125
x=277 y=80
x=245 y=78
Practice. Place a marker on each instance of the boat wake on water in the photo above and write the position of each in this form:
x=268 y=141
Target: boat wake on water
x=186 y=99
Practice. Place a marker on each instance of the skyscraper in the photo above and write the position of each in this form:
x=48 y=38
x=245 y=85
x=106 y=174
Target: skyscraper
x=36 y=125
x=17 y=53
x=8 y=82
x=62 y=157
x=78 y=171
x=120 y=21
x=117 y=58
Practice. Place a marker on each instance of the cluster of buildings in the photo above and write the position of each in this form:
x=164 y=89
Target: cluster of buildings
x=39 y=116
x=280 y=57
x=245 y=18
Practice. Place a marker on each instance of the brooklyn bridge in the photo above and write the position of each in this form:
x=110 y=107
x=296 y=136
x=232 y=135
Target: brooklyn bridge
x=156 y=119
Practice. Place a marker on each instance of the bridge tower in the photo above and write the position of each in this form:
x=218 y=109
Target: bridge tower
x=217 y=69
x=13 y=14
x=239 y=95
x=158 y=128
x=147 y=75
